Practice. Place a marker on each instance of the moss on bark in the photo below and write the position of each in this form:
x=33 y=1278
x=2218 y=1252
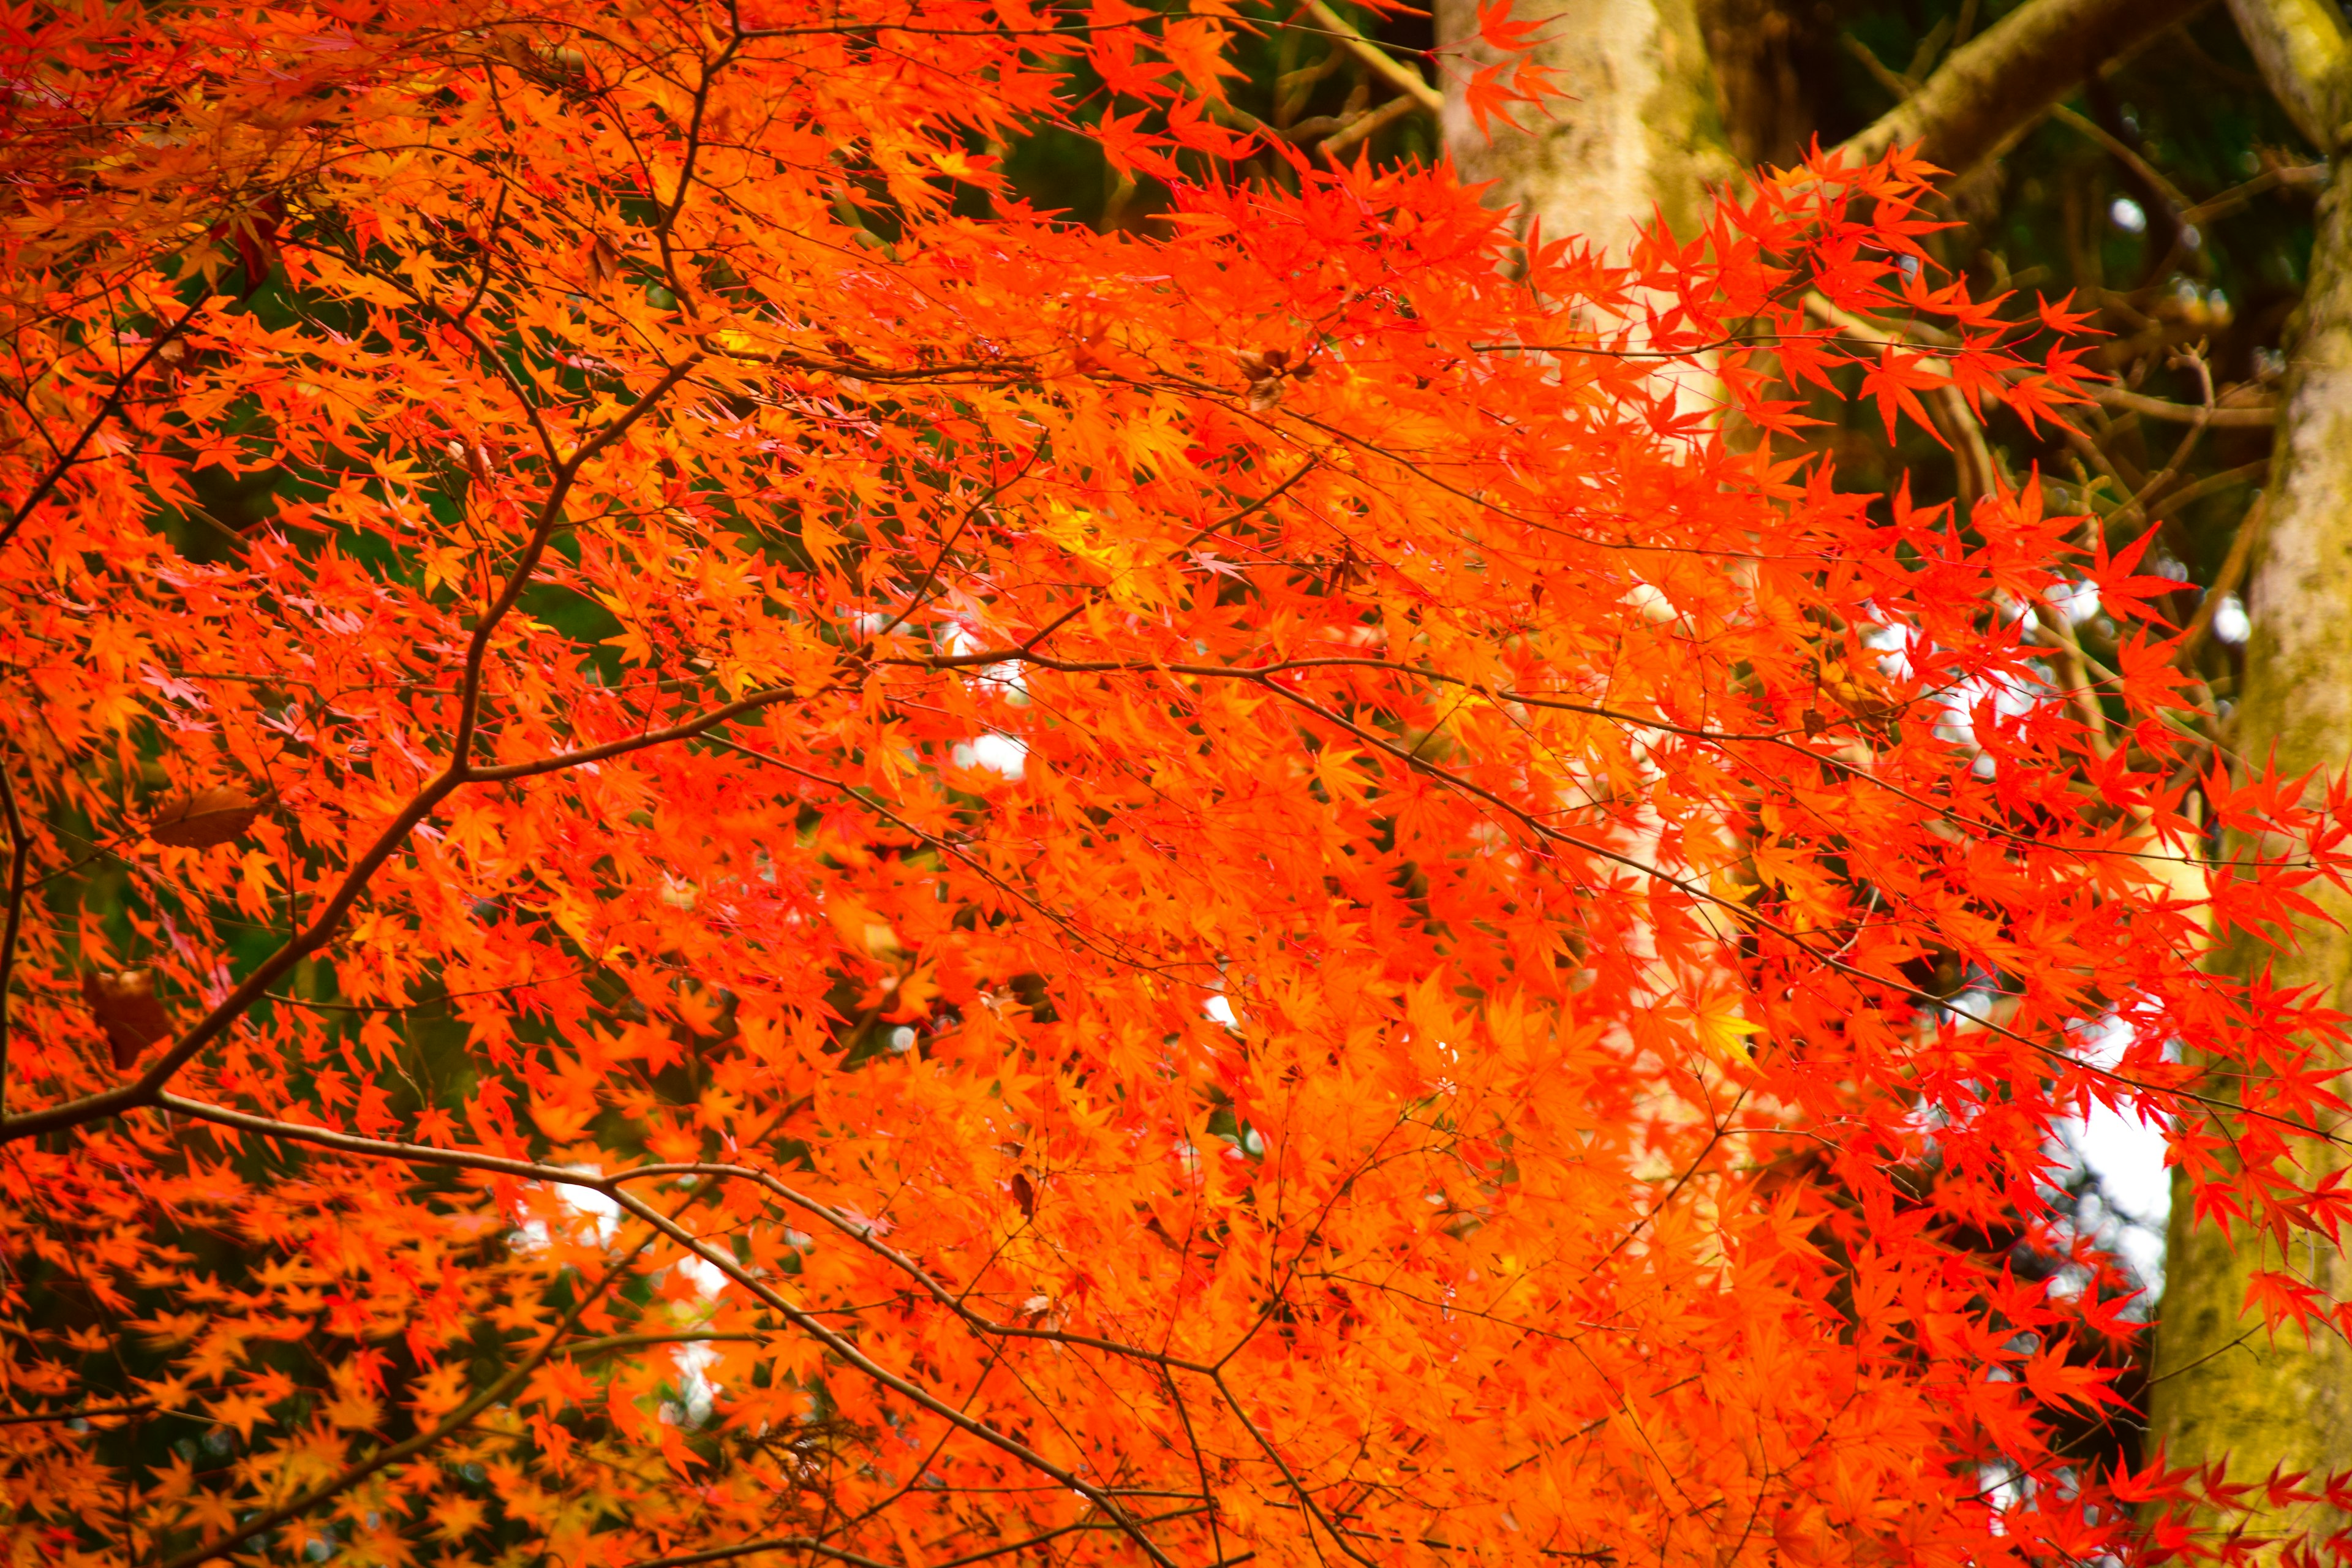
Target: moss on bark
x=2222 y=1385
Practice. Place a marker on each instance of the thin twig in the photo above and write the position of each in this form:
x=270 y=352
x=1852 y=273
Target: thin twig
x=110 y=405
x=87 y=1413
x=454 y=1422
x=844 y=1347
x=2244 y=416
x=2236 y=196
x=2069 y=652
x=2124 y=154
x=825 y=1548
x=2225 y=582
x=1395 y=72
x=1365 y=124
x=2137 y=505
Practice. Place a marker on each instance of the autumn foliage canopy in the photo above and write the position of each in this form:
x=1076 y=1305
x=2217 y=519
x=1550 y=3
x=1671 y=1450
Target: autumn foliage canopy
x=721 y=850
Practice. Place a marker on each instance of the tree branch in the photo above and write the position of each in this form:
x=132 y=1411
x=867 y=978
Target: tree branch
x=108 y=407
x=457 y=1421
x=1991 y=91
x=2215 y=419
x=615 y=1187
x=2306 y=58
x=2225 y=583
x=823 y=1549
x=1366 y=123
x=1395 y=72
x=147 y=1088
x=20 y=854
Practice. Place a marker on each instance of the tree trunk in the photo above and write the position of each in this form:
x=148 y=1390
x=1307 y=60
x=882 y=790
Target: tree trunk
x=2222 y=1385
x=1636 y=131
x=1639 y=127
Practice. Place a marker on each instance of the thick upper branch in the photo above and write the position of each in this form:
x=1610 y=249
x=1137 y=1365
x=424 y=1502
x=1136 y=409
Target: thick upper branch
x=1993 y=88
x=2306 y=58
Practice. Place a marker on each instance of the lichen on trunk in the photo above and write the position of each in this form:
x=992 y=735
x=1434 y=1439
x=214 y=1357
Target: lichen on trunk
x=2222 y=1385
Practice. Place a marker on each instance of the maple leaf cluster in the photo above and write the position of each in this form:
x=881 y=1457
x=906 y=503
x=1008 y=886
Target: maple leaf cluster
x=832 y=881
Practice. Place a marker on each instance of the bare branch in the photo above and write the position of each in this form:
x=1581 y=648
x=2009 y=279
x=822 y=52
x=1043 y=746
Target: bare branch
x=1991 y=91
x=2306 y=57
x=2225 y=583
x=1394 y=71
x=1366 y=123
x=2256 y=416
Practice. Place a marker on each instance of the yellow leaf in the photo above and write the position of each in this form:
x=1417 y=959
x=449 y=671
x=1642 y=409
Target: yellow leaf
x=1723 y=1033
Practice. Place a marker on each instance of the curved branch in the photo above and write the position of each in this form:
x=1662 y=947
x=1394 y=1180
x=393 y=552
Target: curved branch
x=615 y=1187
x=2261 y=416
x=1992 y=88
x=1394 y=71
x=109 y=407
x=2306 y=58
x=147 y=1088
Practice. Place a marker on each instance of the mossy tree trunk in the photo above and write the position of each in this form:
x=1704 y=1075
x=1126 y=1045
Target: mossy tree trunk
x=2222 y=1385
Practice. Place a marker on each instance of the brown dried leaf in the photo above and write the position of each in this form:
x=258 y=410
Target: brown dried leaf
x=203 y=819
x=603 y=261
x=125 y=1007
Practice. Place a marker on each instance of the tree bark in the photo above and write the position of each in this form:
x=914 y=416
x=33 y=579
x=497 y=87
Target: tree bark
x=1993 y=88
x=2222 y=1387
x=1638 y=128
x=1636 y=131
